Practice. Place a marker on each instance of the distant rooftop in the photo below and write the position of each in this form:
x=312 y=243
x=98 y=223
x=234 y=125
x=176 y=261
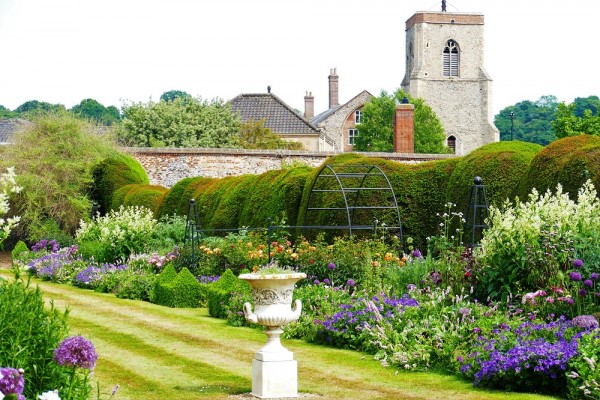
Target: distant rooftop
x=8 y=127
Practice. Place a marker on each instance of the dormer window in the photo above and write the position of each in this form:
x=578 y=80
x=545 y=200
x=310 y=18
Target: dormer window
x=357 y=116
x=451 y=58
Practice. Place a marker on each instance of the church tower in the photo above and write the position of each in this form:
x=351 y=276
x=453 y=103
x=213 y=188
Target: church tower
x=444 y=67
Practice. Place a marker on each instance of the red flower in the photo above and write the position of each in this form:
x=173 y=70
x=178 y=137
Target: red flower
x=467 y=274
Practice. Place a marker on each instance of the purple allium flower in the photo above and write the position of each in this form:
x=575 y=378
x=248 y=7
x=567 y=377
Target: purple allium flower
x=459 y=359
x=594 y=276
x=350 y=282
x=331 y=265
x=582 y=292
x=316 y=282
x=588 y=283
x=326 y=281
x=76 y=351
x=416 y=253
x=12 y=382
x=578 y=263
x=585 y=322
x=575 y=276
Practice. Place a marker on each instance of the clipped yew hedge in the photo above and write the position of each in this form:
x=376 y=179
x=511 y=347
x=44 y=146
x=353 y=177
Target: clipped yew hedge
x=113 y=173
x=149 y=196
x=569 y=161
x=501 y=166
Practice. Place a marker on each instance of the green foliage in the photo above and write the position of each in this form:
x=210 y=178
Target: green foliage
x=161 y=293
x=120 y=233
x=377 y=126
x=220 y=293
x=177 y=199
x=529 y=245
x=255 y=135
x=531 y=122
x=6 y=113
x=186 y=290
x=181 y=122
x=29 y=333
x=33 y=107
x=501 y=166
x=149 y=196
x=20 y=250
x=112 y=173
x=577 y=118
x=569 y=161
x=50 y=229
x=53 y=158
x=92 y=110
x=174 y=94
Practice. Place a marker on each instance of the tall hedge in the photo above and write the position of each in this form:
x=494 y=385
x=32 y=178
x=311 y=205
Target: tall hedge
x=149 y=196
x=113 y=173
x=569 y=161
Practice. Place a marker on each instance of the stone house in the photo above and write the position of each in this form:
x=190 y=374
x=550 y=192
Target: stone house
x=281 y=119
x=8 y=127
x=339 y=121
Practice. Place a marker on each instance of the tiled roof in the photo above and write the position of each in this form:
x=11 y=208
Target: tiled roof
x=278 y=116
x=8 y=127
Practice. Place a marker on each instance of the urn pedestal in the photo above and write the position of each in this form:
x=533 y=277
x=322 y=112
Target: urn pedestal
x=274 y=370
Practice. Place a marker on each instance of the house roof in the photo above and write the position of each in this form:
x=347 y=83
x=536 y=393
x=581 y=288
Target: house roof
x=317 y=119
x=278 y=116
x=8 y=127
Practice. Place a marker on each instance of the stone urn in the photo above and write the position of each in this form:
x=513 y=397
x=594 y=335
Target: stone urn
x=274 y=370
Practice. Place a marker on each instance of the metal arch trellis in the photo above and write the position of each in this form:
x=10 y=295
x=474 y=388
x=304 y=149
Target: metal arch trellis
x=351 y=182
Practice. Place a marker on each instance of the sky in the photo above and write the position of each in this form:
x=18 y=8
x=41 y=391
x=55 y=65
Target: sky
x=121 y=51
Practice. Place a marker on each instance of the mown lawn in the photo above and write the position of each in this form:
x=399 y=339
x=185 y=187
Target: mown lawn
x=154 y=352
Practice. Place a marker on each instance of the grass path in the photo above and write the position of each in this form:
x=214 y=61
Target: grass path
x=155 y=352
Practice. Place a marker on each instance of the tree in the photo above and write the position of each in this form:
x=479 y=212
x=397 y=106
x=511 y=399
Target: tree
x=6 y=113
x=255 y=135
x=93 y=110
x=376 y=130
x=34 y=106
x=182 y=122
x=567 y=123
x=174 y=94
x=531 y=122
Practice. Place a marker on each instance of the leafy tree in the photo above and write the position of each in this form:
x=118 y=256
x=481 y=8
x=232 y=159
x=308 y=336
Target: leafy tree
x=34 y=106
x=6 y=113
x=174 y=94
x=255 y=135
x=182 y=122
x=568 y=123
x=591 y=103
x=532 y=121
x=53 y=159
x=93 y=110
x=376 y=131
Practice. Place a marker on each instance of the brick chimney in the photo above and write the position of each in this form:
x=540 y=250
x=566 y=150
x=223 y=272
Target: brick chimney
x=309 y=106
x=333 y=88
x=404 y=128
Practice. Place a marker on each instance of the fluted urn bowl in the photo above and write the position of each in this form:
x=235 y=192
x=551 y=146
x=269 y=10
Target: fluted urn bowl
x=272 y=294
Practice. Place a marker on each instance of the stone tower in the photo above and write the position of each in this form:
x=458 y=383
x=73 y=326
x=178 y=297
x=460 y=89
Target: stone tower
x=444 y=67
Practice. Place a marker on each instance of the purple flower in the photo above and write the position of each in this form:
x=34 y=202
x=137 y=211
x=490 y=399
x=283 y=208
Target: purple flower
x=12 y=382
x=76 y=351
x=316 y=282
x=350 y=282
x=578 y=263
x=331 y=265
x=575 y=276
x=588 y=283
x=585 y=322
x=459 y=359
x=582 y=292
x=326 y=281
x=416 y=253
x=594 y=276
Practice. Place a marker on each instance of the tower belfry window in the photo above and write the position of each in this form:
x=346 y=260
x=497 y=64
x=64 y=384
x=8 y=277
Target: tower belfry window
x=451 y=58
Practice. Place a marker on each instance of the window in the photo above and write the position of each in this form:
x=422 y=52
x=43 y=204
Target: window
x=451 y=58
x=352 y=133
x=452 y=144
x=357 y=116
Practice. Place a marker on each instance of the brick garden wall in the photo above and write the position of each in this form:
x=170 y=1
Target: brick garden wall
x=166 y=167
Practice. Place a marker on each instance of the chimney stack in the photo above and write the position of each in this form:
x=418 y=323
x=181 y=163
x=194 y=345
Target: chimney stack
x=333 y=88
x=309 y=106
x=404 y=128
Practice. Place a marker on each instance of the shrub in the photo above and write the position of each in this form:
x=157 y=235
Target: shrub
x=186 y=290
x=219 y=293
x=29 y=333
x=161 y=292
x=54 y=157
x=149 y=196
x=113 y=173
x=177 y=199
x=569 y=161
x=20 y=251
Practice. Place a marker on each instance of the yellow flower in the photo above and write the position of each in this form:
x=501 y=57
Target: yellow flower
x=294 y=256
x=375 y=263
x=388 y=257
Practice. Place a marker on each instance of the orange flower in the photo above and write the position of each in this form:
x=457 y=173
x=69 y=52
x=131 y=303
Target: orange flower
x=375 y=264
x=388 y=257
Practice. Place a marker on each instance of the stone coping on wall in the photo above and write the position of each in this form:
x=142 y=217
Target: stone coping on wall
x=283 y=153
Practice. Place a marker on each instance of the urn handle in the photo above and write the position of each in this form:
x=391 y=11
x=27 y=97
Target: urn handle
x=250 y=316
x=297 y=309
